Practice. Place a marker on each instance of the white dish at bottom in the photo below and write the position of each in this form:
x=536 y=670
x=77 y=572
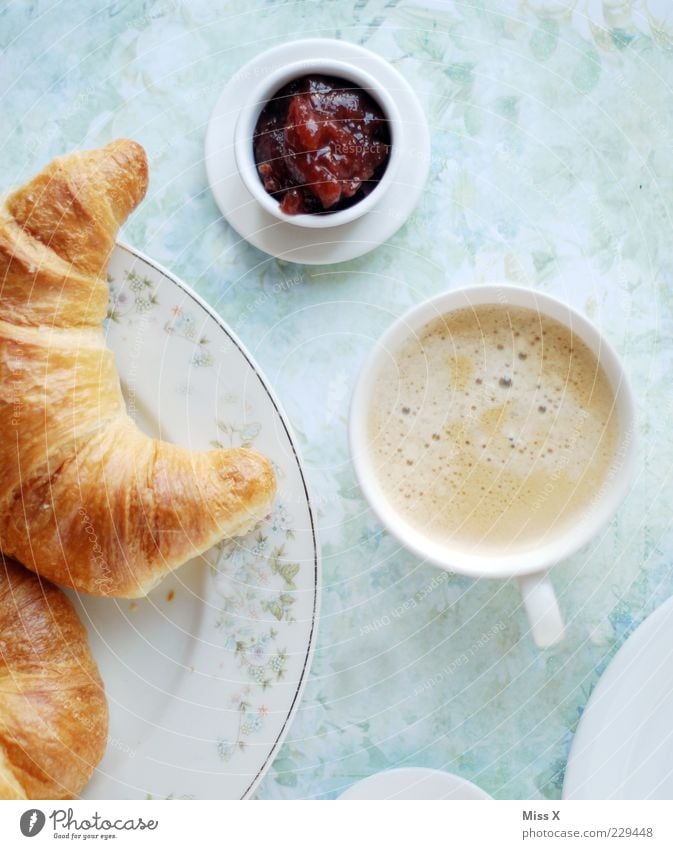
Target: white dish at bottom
x=414 y=783
x=623 y=748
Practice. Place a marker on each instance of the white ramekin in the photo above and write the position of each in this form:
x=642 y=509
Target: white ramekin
x=260 y=96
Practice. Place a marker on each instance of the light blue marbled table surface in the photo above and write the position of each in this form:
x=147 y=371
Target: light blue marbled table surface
x=552 y=166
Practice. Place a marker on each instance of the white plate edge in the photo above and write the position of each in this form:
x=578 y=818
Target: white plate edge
x=608 y=678
x=308 y=660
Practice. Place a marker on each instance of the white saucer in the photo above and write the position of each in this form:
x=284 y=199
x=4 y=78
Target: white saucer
x=414 y=783
x=327 y=245
x=623 y=748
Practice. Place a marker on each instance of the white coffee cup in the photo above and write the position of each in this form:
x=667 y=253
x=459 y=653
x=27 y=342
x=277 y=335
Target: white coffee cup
x=530 y=566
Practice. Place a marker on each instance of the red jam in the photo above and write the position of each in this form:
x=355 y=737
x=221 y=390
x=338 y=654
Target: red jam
x=321 y=144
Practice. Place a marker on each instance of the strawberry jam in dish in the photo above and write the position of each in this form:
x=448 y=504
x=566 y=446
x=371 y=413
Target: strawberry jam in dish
x=321 y=144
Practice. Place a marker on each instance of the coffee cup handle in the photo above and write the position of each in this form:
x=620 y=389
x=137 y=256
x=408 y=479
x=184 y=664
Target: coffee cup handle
x=544 y=616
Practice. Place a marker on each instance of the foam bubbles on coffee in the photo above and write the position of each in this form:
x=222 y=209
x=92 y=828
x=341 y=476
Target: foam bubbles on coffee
x=494 y=426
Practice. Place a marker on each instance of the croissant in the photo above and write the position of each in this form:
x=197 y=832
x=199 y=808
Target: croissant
x=86 y=499
x=53 y=710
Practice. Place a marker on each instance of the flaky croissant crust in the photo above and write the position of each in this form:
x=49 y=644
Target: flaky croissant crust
x=86 y=499
x=53 y=710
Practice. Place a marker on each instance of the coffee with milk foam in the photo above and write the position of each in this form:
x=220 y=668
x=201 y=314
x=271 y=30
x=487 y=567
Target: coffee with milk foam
x=492 y=428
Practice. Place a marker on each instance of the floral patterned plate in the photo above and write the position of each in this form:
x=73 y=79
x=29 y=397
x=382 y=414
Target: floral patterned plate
x=203 y=675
